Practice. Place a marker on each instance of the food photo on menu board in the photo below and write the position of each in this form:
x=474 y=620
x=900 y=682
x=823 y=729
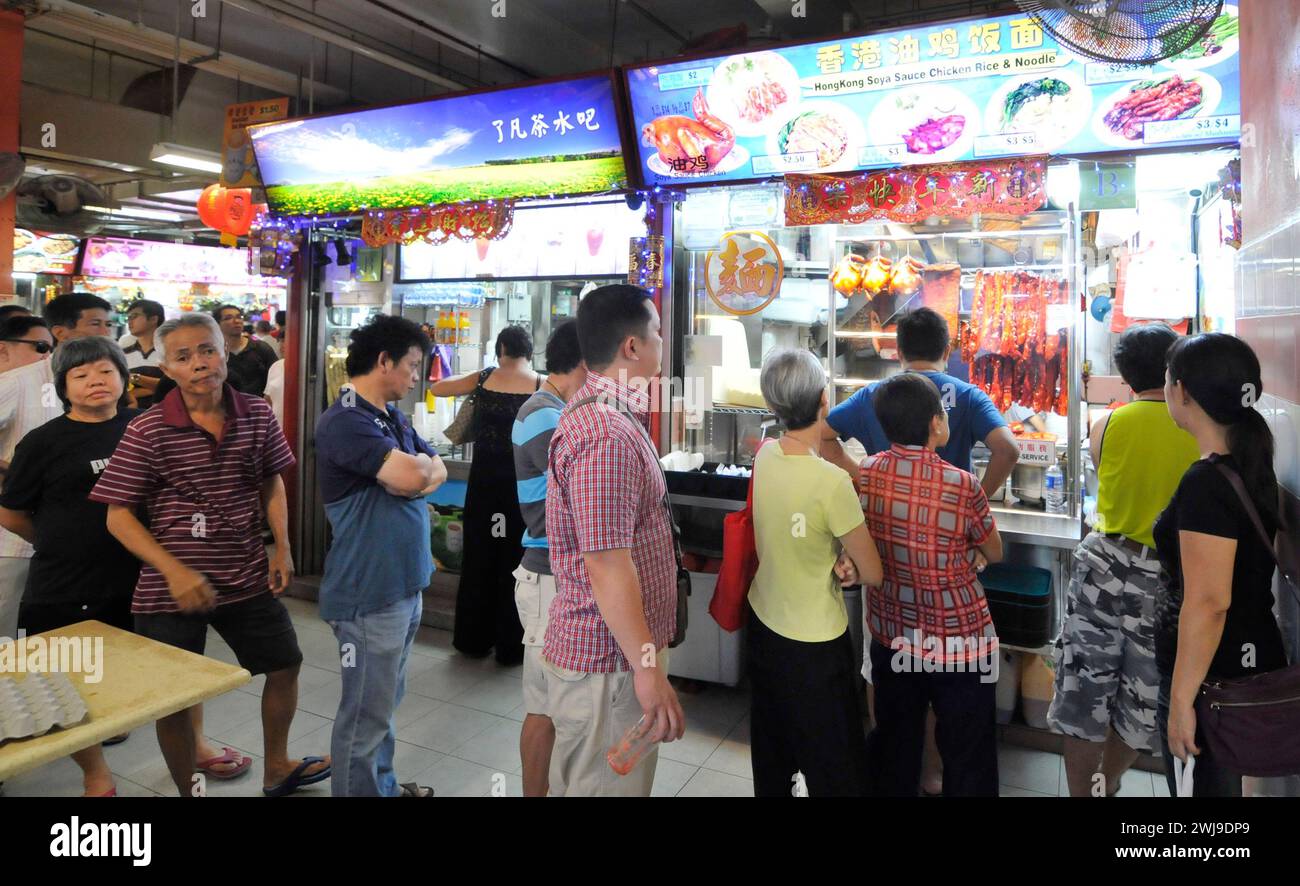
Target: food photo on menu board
x=548 y=138
x=964 y=90
x=38 y=253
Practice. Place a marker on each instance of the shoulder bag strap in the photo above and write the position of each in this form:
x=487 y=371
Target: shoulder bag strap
x=1235 y=479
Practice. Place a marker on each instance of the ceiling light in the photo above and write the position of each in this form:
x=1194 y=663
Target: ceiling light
x=135 y=212
x=186 y=158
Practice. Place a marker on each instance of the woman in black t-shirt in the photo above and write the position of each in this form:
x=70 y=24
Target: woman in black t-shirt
x=1214 y=616
x=79 y=571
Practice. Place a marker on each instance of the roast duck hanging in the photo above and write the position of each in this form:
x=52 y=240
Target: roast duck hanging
x=1013 y=356
x=886 y=285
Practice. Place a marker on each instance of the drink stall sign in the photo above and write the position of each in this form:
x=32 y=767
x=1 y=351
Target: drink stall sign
x=927 y=94
x=540 y=140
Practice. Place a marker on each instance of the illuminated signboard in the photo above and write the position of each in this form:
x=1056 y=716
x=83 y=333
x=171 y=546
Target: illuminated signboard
x=177 y=262
x=527 y=141
x=962 y=90
x=37 y=253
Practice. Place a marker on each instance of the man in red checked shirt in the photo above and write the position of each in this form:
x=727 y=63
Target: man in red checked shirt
x=611 y=545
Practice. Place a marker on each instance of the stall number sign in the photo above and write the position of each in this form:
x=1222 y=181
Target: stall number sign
x=1107 y=186
x=1036 y=452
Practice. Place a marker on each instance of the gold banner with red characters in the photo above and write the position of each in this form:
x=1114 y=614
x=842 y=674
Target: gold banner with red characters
x=489 y=220
x=914 y=193
x=238 y=166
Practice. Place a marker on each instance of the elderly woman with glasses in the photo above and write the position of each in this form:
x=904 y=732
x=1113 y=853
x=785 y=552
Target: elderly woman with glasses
x=811 y=538
x=79 y=571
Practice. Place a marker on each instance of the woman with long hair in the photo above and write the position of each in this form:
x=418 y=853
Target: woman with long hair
x=1214 y=615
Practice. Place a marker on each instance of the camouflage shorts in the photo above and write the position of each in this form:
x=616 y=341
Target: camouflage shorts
x=1105 y=657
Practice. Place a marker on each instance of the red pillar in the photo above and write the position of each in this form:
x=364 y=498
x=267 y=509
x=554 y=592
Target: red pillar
x=11 y=87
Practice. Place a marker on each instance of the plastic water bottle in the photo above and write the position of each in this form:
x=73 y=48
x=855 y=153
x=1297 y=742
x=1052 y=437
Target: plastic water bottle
x=635 y=744
x=1054 y=493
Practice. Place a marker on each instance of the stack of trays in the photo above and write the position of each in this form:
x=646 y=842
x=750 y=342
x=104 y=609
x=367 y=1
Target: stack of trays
x=37 y=704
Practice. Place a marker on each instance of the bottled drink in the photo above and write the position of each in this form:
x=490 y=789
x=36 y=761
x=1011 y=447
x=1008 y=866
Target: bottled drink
x=464 y=328
x=635 y=744
x=1054 y=490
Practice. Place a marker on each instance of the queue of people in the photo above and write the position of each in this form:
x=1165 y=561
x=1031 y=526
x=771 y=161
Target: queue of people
x=151 y=519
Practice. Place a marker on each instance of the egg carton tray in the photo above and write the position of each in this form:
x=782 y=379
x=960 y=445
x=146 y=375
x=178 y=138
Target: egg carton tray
x=37 y=704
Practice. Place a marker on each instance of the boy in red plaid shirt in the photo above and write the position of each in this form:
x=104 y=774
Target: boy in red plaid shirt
x=932 y=638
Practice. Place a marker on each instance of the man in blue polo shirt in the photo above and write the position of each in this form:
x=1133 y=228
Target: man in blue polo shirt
x=924 y=347
x=374 y=472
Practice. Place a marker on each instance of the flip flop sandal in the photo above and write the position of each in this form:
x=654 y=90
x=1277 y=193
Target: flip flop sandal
x=111 y=792
x=298 y=780
x=227 y=756
x=115 y=740
x=416 y=790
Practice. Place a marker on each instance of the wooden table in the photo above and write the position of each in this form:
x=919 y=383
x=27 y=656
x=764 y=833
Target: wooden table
x=141 y=681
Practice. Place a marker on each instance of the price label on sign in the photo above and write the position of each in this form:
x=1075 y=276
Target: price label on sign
x=1005 y=143
x=685 y=79
x=1224 y=126
x=800 y=161
x=1107 y=186
x=882 y=155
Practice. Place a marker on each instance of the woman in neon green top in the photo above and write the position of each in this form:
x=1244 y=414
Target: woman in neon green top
x=1106 y=675
x=806 y=712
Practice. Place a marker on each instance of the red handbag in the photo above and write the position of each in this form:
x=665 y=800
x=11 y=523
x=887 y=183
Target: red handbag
x=739 y=563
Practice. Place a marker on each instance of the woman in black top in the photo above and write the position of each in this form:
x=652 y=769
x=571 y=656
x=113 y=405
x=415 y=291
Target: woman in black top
x=79 y=571
x=1214 y=617
x=486 y=616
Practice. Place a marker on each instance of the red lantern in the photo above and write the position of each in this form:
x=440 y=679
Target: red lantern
x=228 y=210
x=212 y=206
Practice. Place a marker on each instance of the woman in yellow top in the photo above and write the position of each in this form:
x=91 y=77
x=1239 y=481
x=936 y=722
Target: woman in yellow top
x=1106 y=675
x=806 y=713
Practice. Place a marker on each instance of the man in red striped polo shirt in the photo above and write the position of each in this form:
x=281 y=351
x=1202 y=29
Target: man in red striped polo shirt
x=206 y=463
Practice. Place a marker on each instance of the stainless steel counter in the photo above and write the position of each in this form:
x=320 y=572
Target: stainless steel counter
x=1037 y=528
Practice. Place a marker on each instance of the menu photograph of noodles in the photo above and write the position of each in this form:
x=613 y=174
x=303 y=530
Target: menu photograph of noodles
x=827 y=134
x=1052 y=108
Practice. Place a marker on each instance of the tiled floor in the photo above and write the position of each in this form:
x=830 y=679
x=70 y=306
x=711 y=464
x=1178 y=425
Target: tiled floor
x=458 y=731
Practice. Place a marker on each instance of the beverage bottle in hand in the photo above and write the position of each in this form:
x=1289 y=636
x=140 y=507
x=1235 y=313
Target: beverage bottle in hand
x=635 y=744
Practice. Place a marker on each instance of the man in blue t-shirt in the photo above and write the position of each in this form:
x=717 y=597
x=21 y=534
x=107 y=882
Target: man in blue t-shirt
x=924 y=347
x=374 y=472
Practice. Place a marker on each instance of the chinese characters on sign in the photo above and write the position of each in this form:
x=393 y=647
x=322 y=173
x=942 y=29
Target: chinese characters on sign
x=983 y=38
x=952 y=190
x=645 y=262
x=538 y=126
x=238 y=167
x=744 y=276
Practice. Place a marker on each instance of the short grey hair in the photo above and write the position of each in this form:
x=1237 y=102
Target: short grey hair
x=81 y=351
x=185 y=321
x=793 y=381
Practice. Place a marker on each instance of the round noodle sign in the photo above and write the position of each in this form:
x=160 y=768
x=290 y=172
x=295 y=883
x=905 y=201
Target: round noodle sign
x=744 y=274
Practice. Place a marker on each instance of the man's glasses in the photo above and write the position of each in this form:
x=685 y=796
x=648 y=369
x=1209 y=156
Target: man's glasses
x=42 y=347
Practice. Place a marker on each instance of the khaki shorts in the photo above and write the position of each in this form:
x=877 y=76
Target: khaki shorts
x=533 y=595
x=591 y=712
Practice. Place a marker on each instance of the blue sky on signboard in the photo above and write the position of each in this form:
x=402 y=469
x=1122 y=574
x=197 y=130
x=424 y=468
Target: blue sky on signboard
x=443 y=133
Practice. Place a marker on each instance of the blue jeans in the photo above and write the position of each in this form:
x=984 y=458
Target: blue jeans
x=373 y=649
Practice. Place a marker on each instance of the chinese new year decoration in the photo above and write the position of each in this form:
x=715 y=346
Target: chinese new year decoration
x=744 y=275
x=480 y=221
x=1015 y=344
x=645 y=261
x=916 y=193
x=228 y=210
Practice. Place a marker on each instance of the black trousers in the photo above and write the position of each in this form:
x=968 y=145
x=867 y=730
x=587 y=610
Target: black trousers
x=805 y=716
x=966 y=732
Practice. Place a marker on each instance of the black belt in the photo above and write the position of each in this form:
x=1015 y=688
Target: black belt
x=1128 y=544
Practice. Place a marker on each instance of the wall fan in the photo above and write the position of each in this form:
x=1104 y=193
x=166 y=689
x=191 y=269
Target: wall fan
x=57 y=203
x=1132 y=32
x=11 y=172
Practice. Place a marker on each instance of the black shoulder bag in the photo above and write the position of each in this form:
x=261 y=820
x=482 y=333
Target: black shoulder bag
x=461 y=429
x=1252 y=724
